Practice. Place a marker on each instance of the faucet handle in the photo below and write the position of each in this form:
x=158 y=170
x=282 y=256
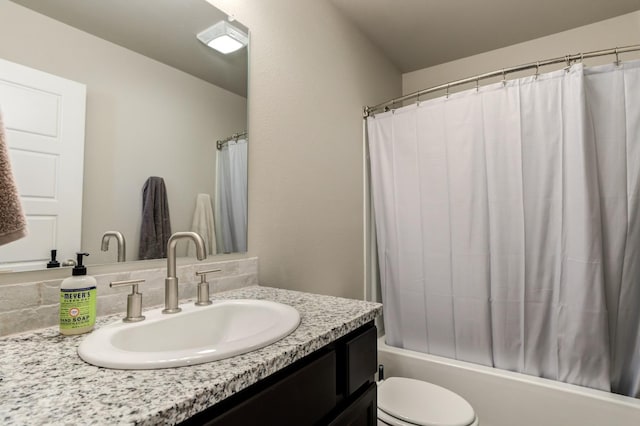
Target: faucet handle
x=134 y=300
x=203 y=274
x=203 y=287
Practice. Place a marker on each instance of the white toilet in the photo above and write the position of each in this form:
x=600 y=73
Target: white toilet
x=409 y=402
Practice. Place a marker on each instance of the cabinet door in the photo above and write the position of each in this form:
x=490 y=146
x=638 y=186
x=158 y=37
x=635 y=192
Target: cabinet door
x=361 y=412
x=299 y=399
x=362 y=359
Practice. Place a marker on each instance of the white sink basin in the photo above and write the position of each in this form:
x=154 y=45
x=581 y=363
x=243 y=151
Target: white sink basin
x=194 y=336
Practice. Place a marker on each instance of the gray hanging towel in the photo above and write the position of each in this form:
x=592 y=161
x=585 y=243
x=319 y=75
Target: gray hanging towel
x=13 y=224
x=156 y=224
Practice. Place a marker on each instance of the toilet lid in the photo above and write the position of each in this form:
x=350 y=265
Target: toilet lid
x=423 y=403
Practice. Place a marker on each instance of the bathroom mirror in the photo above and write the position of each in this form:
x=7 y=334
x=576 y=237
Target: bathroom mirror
x=157 y=101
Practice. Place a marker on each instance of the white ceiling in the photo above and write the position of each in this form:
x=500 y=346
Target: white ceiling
x=412 y=34
x=164 y=30
x=416 y=34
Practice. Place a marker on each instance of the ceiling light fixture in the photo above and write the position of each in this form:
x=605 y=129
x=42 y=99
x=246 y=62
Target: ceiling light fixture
x=224 y=37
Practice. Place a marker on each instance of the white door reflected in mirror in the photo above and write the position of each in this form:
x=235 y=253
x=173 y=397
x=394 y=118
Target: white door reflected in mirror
x=44 y=120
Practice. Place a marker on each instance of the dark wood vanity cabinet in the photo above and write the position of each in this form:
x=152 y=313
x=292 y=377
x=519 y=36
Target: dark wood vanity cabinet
x=333 y=386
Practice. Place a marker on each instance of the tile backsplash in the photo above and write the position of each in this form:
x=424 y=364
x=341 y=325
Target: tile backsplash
x=32 y=305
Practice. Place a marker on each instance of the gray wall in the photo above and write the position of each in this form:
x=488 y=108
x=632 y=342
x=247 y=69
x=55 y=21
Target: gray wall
x=310 y=74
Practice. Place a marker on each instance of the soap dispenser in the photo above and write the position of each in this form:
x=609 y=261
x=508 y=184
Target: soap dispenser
x=78 y=301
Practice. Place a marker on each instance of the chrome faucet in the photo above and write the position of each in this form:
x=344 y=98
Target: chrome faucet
x=122 y=247
x=171 y=282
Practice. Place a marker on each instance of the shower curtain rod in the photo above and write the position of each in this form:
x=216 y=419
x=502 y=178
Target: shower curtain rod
x=235 y=136
x=568 y=59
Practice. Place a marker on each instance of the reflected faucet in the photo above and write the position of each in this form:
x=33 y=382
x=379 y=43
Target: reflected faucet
x=171 y=282
x=122 y=247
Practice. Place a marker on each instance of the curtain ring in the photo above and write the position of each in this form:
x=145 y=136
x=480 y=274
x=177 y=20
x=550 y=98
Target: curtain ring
x=477 y=85
x=567 y=59
x=617 y=62
x=447 y=92
x=582 y=58
x=504 y=78
x=537 y=70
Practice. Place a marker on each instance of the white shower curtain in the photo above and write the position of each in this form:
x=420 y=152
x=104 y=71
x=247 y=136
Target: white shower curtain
x=508 y=225
x=231 y=197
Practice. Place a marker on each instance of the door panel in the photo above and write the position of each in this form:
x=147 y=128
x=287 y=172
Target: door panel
x=44 y=119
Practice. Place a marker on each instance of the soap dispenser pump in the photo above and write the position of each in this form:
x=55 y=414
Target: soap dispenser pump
x=53 y=263
x=78 y=300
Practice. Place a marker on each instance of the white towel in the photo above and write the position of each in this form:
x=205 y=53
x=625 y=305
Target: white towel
x=13 y=224
x=204 y=225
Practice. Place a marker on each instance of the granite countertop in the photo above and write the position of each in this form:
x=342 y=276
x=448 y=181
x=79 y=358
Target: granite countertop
x=43 y=381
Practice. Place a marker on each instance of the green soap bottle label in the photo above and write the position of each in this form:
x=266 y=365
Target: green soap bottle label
x=77 y=308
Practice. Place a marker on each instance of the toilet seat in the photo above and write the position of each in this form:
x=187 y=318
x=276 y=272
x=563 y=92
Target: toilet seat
x=409 y=402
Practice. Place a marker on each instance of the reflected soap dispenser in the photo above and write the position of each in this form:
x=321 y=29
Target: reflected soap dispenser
x=78 y=301
x=53 y=263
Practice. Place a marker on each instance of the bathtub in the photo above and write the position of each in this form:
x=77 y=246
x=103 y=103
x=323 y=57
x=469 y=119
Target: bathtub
x=504 y=398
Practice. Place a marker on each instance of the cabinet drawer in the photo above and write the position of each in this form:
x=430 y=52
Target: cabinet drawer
x=361 y=359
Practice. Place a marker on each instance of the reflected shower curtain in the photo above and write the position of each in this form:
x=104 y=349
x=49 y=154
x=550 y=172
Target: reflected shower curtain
x=231 y=197
x=508 y=225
